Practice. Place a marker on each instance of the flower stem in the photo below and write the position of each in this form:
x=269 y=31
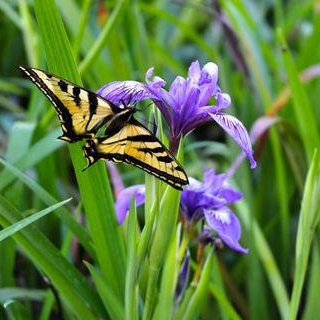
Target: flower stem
x=184 y=244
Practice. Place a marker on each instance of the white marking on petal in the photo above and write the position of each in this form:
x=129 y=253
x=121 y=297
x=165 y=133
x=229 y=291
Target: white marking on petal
x=223 y=216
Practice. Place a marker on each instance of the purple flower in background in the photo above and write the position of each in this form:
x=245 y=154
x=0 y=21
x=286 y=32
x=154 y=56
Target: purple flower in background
x=122 y=204
x=186 y=105
x=207 y=200
x=183 y=277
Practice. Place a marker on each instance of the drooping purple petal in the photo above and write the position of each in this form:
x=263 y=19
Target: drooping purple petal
x=128 y=92
x=227 y=226
x=238 y=132
x=122 y=204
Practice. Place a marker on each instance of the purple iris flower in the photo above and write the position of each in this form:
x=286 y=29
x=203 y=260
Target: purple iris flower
x=189 y=103
x=122 y=204
x=207 y=199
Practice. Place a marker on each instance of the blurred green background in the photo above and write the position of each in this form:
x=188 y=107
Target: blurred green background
x=268 y=54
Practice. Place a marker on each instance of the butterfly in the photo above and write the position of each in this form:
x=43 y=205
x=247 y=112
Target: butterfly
x=82 y=113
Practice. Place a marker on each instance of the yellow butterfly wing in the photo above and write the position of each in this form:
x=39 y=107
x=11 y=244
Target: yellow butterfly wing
x=81 y=112
x=132 y=143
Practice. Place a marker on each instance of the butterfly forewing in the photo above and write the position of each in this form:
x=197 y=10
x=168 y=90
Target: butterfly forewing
x=81 y=112
x=135 y=144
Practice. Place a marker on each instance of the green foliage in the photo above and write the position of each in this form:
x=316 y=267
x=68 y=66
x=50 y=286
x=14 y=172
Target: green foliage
x=85 y=265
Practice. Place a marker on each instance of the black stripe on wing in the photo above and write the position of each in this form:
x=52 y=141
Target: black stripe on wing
x=174 y=181
x=63 y=113
x=160 y=152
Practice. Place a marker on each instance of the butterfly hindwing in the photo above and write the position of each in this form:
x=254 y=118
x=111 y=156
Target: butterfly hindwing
x=81 y=112
x=136 y=145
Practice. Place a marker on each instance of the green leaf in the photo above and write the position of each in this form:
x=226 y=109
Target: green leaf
x=16 y=310
x=200 y=294
x=93 y=184
x=308 y=221
x=49 y=200
x=267 y=258
x=312 y=288
x=33 y=155
x=17 y=146
x=169 y=279
x=9 y=231
x=304 y=113
x=100 y=42
x=76 y=293
x=112 y=304
x=21 y=293
x=131 y=288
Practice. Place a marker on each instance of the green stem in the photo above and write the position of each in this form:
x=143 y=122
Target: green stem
x=151 y=293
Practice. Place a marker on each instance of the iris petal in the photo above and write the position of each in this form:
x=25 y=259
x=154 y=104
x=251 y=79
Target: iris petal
x=122 y=204
x=227 y=226
x=128 y=92
x=209 y=74
x=238 y=132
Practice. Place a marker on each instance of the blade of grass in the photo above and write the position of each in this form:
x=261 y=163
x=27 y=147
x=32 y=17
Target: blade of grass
x=131 y=289
x=303 y=111
x=17 y=310
x=188 y=31
x=256 y=51
x=196 y=293
x=36 y=153
x=100 y=42
x=112 y=304
x=218 y=291
x=94 y=187
x=9 y=231
x=21 y=293
x=71 y=285
x=311 y=308
x=29 y=36
x=268 y=261
x=11 y=14
x=85 y=12
x=308 y=221
x=169 y=280
x=17 y=146
x=49 y=200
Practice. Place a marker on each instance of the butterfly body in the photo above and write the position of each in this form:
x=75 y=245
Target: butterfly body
x=82 y=113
